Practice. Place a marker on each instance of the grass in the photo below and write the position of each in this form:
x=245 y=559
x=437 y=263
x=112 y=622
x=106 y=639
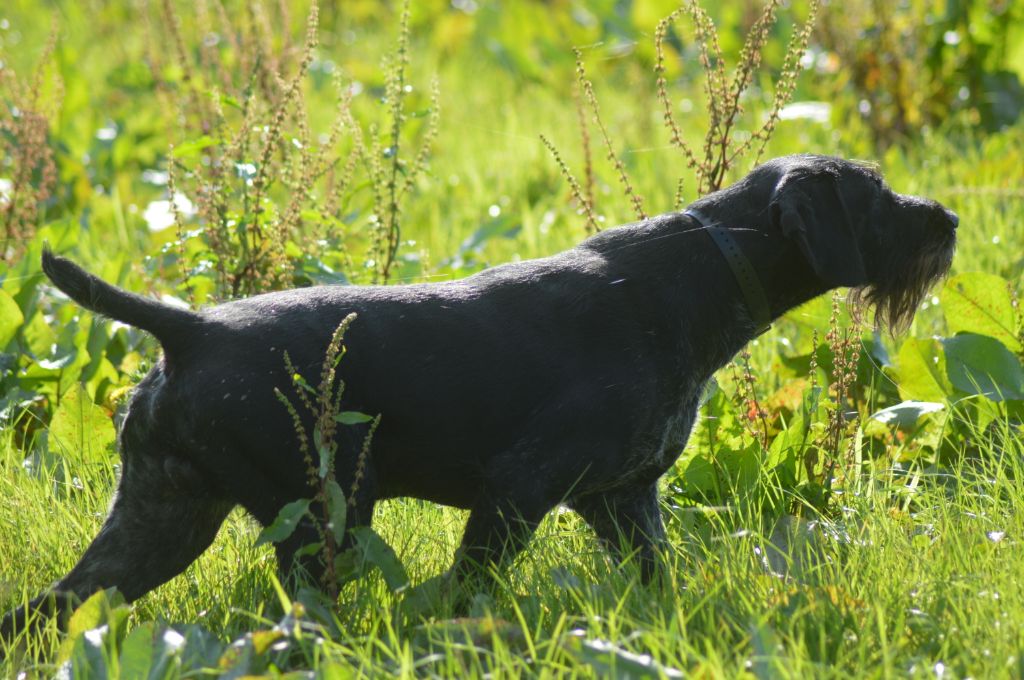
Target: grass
x=914 y=570
x=879 y=591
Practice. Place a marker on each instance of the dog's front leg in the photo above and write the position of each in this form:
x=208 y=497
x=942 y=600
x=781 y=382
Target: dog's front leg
x=626 y=521
x=155 y=529
x=497 y=531
x=299 y=560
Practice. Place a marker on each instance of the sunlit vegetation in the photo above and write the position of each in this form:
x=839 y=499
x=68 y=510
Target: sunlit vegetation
x=849 y=505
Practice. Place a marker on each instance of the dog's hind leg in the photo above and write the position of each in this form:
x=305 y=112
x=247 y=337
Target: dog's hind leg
x=626 y=521
x=162 y=519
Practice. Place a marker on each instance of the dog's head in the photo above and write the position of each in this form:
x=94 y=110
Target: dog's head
x=855 y=231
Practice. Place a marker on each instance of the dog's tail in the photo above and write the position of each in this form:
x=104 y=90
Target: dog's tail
x=165 y=322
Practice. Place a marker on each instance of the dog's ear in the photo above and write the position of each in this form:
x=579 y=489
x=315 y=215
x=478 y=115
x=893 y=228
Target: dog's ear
x=810 y=210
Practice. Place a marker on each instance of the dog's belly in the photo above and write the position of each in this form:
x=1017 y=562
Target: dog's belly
x=593 y=453
x=431 y=480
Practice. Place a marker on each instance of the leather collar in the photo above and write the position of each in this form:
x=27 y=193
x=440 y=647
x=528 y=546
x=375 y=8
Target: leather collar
x=742 y=269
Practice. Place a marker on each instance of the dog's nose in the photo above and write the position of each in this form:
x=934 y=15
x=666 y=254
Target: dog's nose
x=954 y=218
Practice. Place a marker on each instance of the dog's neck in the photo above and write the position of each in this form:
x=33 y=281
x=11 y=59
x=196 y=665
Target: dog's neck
x=727 y=317
x=709 y=325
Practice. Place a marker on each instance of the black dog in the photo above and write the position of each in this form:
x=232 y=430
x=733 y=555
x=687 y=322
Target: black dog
x=570 y=379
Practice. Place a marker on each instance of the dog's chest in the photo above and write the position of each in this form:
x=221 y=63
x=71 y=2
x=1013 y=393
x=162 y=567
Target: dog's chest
x=662 y=442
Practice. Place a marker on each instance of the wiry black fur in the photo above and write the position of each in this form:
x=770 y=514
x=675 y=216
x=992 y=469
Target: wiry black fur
x=569 y=379
x=168 y=324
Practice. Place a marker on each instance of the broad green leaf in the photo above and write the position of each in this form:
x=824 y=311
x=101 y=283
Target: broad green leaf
x=97 y=339
x=352 y=418
x=817 y=313
x=103 y=374
x=80 y=429
x=782 y=443
x=742 y=465
x=720 y=427
x=61 y=235
x=57 y=363
x=263 y=639
x=88 y=616
x=200 y=649
x=194 y=147
x=88 y=658
x=10 y=318
x=313 y=605
x=610 y=660
x=789 y=446
x=138 y=651
x=40 y=338
x=240 y=659
x=337 y=508
x=349 y=566
x=766 y=647
x=167 y=648
x=230 y=101
x=921 y=371
x=23 y=276
x=907 y=413
x=977 y=302
x=335 y=671
x=103 y=608
x=978 y=364
x=377 y=552
x=284 y=524
x=699 y=478
x=313 y=548
x=157 y=653
x=70 y=376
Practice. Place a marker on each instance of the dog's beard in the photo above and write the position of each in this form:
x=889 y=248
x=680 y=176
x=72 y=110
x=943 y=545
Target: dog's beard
x=896 y=298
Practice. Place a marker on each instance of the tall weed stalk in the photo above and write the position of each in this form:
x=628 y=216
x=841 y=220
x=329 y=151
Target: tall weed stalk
x=277 y=202
x=845 y=345
x=725 y=144
x=392 y=175
x=322 y=404
x=27 y=107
